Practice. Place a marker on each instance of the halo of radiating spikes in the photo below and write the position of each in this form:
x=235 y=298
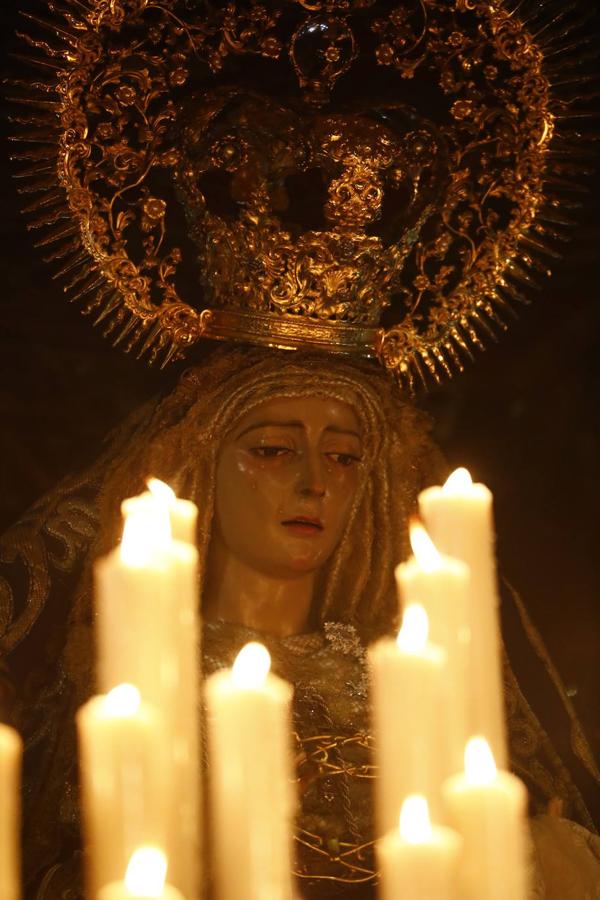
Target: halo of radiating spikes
x=566 y=34
x=36 y=111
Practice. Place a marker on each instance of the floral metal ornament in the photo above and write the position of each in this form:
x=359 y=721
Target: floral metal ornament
x=356 y=176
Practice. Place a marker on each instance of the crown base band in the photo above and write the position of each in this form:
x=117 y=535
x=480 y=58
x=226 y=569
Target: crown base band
x=285 y=332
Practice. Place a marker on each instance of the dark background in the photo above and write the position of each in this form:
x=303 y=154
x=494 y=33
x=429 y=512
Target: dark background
x=525 y=419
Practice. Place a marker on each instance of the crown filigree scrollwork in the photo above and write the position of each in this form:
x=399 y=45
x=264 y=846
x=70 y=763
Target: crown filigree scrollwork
x=347 y=175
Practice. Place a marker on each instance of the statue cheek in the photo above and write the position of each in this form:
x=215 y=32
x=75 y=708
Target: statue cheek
x=342 y=487
x=265 y=483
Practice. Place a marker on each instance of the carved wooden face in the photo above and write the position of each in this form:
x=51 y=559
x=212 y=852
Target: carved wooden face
x=286 y=479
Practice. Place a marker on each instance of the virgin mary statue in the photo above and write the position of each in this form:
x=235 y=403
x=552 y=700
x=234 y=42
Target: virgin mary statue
x=346 y=245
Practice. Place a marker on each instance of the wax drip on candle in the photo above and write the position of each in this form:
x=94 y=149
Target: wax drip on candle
x=161 y=491
x=146 y=872
x=425 y=551
x=124 y=700
x=480 y=766
x=415 y=824
x=458 y=481
x=251 y=666
x=413 y=635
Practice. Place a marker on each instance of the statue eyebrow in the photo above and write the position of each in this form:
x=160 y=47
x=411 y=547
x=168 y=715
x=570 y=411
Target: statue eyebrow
x=294 y=424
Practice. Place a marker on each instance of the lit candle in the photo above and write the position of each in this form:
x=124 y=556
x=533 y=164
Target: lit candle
x=418 y=860
x=147 y=631
x=406 y=678
x=144 y=879
x=459 y=518
x=441 y=585
x=487 y=807
x=123 y=785
x=183 y=514
x=10 y=813
x=252 y=799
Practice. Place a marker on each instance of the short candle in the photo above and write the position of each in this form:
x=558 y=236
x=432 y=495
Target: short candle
x=144 y=879
x=11 y=749
x=125 y=794
x=251 y=778
x=418 y=860
x=406 y=676
x=488 y=807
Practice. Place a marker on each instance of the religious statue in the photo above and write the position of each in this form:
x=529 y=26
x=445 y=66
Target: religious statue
x=377 y=241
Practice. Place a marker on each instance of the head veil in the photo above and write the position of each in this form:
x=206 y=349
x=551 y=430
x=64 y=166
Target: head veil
x=185 y=433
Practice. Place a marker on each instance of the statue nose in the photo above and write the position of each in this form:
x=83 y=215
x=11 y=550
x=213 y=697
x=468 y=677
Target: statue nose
x=311 y=480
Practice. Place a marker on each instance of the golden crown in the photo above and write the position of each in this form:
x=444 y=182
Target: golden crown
x=350 y=175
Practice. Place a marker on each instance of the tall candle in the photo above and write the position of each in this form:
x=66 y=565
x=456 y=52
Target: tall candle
x=123 y=785
x=487 y=807
x=406 y=678
x=183 y=514
x=418 y=860
x=148 y=634
x=441 y=585
x=458 y=516
x=252 y=800
x=144 y=879
x=10 y=813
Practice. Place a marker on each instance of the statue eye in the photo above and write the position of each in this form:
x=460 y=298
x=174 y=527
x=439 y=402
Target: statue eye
x=270 y=452
x=344 y=459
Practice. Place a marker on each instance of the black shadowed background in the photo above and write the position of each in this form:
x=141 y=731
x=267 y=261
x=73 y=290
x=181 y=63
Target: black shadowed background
x=525 y=418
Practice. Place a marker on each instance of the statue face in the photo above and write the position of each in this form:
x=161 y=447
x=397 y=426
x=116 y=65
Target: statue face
x=286 y=478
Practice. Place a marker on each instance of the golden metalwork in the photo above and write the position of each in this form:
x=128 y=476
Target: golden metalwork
x=336 y=756
x=312 y=216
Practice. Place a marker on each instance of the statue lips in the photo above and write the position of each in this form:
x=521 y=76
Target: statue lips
x=304 y=525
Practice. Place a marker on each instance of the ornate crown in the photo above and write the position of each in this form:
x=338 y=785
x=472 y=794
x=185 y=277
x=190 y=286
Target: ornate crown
x=359 y=176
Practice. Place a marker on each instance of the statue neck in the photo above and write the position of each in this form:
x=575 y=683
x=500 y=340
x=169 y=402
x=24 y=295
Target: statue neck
x=236 y=593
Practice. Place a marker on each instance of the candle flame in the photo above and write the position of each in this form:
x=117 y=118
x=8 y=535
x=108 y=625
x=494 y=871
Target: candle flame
x=251 y=666
x=146 y=531
x=124 y=700
x=415 y=824
x=413 y=635
x=480 y=766
x=146 y=872
x=161 y=491
x=426 y=553
x=458 y=481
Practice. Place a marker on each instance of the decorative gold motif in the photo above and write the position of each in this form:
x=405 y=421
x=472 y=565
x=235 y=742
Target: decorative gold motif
x=337 y=274
x=330 y=756
x=303 y=216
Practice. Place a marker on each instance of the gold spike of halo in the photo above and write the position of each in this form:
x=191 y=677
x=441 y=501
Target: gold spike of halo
x=314 y=215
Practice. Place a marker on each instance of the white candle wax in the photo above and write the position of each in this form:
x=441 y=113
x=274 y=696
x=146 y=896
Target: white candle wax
x=251 y=791
x=459 y=518
x=488 y=807
x=10 y=813
x=148 y=634
x=418 y=861
x=441 y=585
x=406 y=693
x=123 y=785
